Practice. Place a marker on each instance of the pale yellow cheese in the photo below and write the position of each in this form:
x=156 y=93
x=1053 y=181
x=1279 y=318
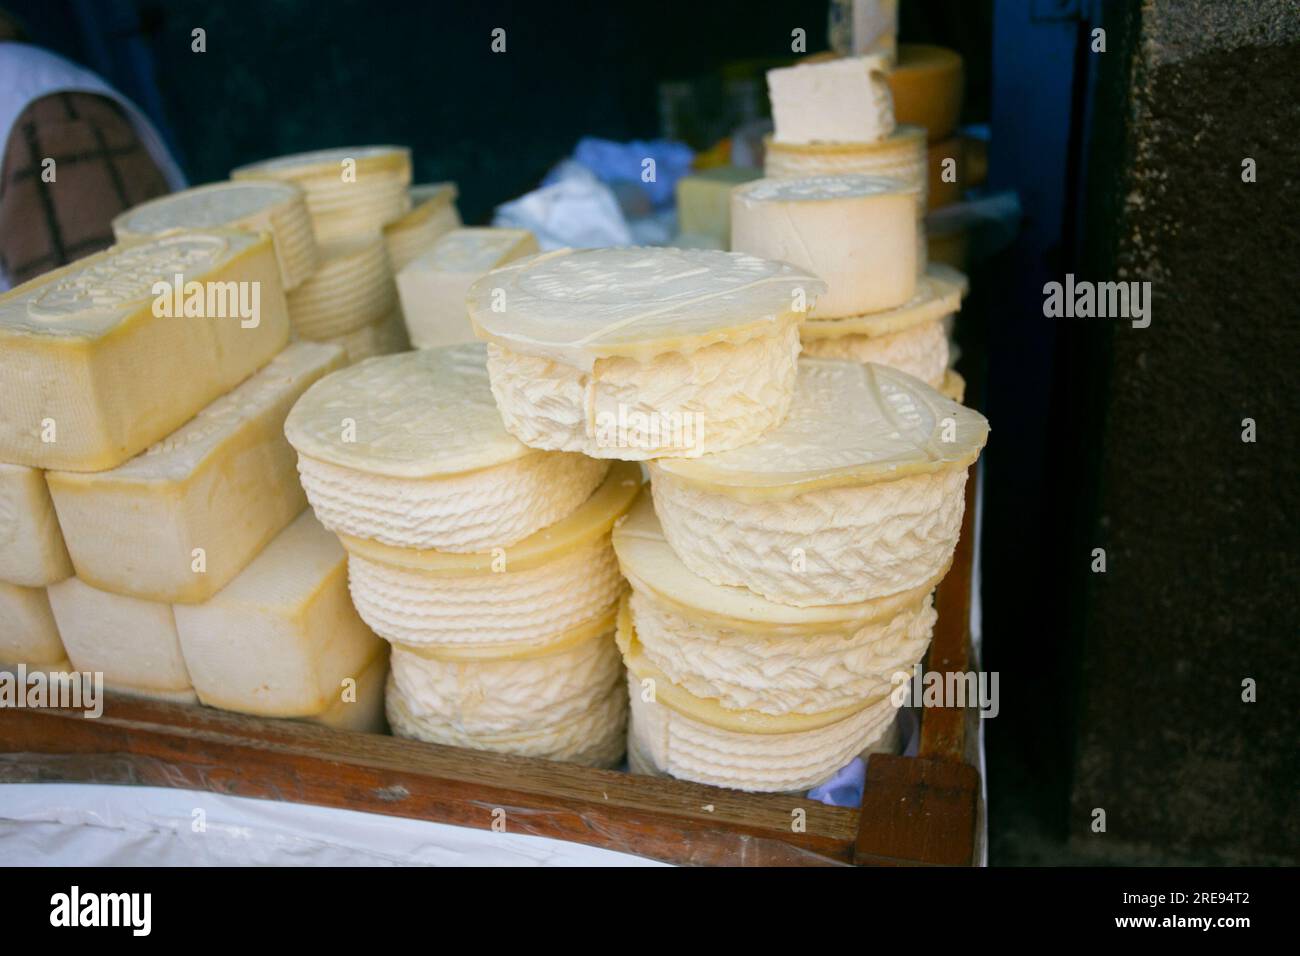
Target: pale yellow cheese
x=179 y=521
x=274 y=207
x=384 y=337
x=927 y=86
x=280 y=638
x=133 y=643
x=359 y=706
x=433 y=214
x=90 y=376
x=704 y=202
x=28 y=632
x=434 y=284
x=351 y=288
x=32 y=552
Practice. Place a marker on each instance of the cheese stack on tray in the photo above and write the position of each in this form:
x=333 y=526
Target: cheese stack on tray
x=858 y=225
x=153 y=523
x=487 y=564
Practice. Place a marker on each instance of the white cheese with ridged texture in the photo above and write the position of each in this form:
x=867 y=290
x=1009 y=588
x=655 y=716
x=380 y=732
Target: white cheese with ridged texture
x=639 y=353
x=179 y=521
x=90 y=376
x=273 y=207
x=280 y=638
x=858 y=233
x=835 y=101
x=731 y=646
x=32 y=552
x=28 y=633
x=564 y=701
x=920 y=350
x=528 y=592
x=408 y=450
x=433 y=285
x=858 y=495
x=132 y=642
x=351 y=190
x=351 y=288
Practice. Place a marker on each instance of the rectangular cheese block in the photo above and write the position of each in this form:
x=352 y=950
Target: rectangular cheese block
x=32 y=552
x=433 y=286
x=178 y=522
x=102 y=357
x=133 y=643
x=831 y=101
x=280 y=638
x=28 y=632
x=359 y=705
x=704 y=201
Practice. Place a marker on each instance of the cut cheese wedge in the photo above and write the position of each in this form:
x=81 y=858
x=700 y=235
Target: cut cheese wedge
x=836 y=101
x=878 y=450
x=280 y=638
x=563 y=702
x=272 y=207
x=408 y=450
x=730 y=646
x=927 y=86
x=637 y=353
x=858 y=233
x=514 y=598
x=434 y=284
x=353 y=287
x=433 y=214
x=359 y=703
x=32 y=552
x=351 y=191
x=92 y=370
x=178 y=522
x=704 y=202
x=133 y=643
x=28 y=632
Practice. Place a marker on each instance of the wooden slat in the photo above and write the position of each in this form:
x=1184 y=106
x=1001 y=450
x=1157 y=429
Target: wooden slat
x=917 y=811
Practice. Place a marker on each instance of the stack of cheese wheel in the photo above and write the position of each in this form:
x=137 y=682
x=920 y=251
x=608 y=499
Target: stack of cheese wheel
x=170 y=537
x=269 y=206
x=817 y=546
x=433 y=214
x=353 y=288
x=486 y=563
x=351 y=191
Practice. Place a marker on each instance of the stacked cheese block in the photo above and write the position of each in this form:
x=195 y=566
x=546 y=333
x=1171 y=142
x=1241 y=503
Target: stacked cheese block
x=857 y=223
x=808 y=507
x=364 y=217
x=198 y=574
x=487 y=564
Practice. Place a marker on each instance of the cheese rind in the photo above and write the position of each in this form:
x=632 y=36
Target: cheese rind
x=434 y=284
x=352 y=288
x=279 y=639
x=359 y=706
x=224 y=482
x=32 y=552
x=926 y=85
x=901 y=156
x=274 y=207
x=433 y=214
x=920 y=350
x=28 y=632
x=385 y=337
x=938 y=295
x=132 y=642
x=84 y=359
x=840 y=100
x=858 y=233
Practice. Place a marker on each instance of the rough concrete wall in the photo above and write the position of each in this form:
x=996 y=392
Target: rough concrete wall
x=1202 y=530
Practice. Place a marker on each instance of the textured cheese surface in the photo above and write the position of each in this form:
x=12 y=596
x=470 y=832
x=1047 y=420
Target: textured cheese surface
x=133 y=642
x=352 y=287
x=577 y=306
x=279 y=639
x=684 y=404
x=688 y=749
x=416 y=415
x=858 y=233
x=938 y=294
x=433 y=214
x=224 y=482
x=837 y=101
x=829 y=545
x=568 y=706
x=434 y=285
x=32 y=552
x=921 y=350
x=849 y=424
x=274 y=207
x=359 y=707
x=704 y=201
x=28 y=633
x=512 y=606
x=84 y=360
x=384 y=337
x=901 y=155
